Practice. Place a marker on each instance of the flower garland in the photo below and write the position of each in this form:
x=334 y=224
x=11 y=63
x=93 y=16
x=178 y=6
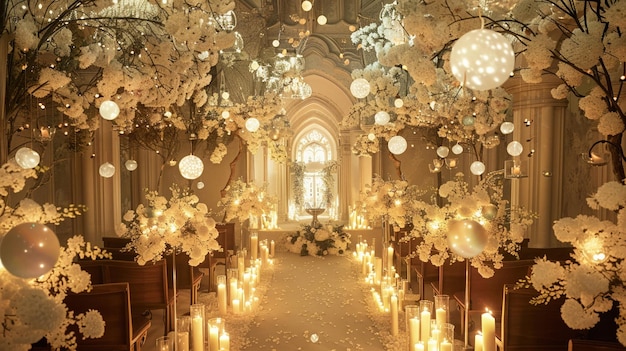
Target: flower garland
x=181 y=222
x=319 y=241
x=593 y=281
x=33 y=309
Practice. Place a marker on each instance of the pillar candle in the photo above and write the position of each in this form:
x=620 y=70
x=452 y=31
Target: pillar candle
x=419 y=346
x=425 y=326
x=182 y=342
x=241 y=264
x=222 y=299
x=246 y=285
x=441 y=316
x=232 y=291
x=478 y=342
x=389 y=260
x=225 y=342
x=414 y=331
x=394 y=315
x=236 y=307
x=445 y=346
x=378 y=269
x=432 y=344
x=272 y=248
x=197 y=338
x=254 y=246
x=488 y=328
x=214 y=341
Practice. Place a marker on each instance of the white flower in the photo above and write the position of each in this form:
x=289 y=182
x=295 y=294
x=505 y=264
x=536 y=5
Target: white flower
x=545 y=274
x=91 y=324
x=583 y=281
x=610 y=124
x=577 y=317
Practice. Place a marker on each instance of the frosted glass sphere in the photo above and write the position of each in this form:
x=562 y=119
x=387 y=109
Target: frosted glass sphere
x=443 y=151
x=200 y=185
x=106 y=170
x=398 y=102
x=371 y=137
x=27 y=158
x=275 y=43
x=322 y=20
x=514 y=148
x=381 y=118
x=191 y=167
x=397 y=145
x=482 y=59
x=466 y=238
x=477 y=168
x=507 y=127
x=360 y=88
x=109 y=110
x=252 y=124
x=29 y=250
x=131 y=165
x=307 y=5
x=457 y=149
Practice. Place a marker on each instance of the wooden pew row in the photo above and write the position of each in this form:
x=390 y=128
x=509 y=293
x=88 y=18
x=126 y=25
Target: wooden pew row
x=226 y=240
x=148 y=284
x=125 y=330
x=593 y=345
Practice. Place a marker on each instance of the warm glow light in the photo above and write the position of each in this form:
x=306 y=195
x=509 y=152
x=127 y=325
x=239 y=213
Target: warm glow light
x=360 y=88
x=131 y=165
x=477 y=168
x=27 y=158
x=106 y=170
x=252 y=124
x=322 y=20
x=307 y=5
x=514 y=148
x=109 y=110
x=397 y=145
x=381 y=118
x=191 y=167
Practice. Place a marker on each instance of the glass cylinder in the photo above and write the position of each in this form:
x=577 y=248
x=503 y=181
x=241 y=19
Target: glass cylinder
x=426 y=310
x=447 y=334
x=215 y=327
x=163 y=344
x=442 y=309
x=222 y=295
x=196 y=312
x=241 y=262
x=183 y=326
x=412 y=324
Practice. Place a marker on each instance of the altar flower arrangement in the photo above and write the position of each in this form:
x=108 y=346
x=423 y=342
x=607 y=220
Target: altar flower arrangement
x=164 y=225
x=593 y=281
x=243 y=201
x=484 y=203
x=33 y=309
x=319 y=241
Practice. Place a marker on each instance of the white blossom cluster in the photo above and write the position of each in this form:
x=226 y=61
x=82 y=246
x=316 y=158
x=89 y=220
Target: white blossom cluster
x=593 y=281
x=179 y=224
x=243 y=200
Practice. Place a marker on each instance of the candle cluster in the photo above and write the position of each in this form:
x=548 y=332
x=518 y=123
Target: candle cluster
x=357 y=220
x=485 y=340
x=203 y=334
x=425 y=332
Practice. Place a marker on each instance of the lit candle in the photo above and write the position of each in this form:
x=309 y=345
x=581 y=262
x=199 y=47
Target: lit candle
x=414 y=331
x=488 y=328
x=222 y=299
x=233 y=289
x=236 y=307
x=419 y=346
x=394 y=315
x=246 y=285
x=445 y=345
x=389 y=260
x=214 y=340
x=425 y=326
x=378 y=268
x=516 y=170
x=432 y=344
x=225 y=342
x=254 y=246
x=441 y=316
x=478 y=342
x=272 y=248
x=196 y=334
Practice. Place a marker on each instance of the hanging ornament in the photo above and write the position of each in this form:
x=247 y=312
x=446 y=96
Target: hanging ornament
x=381 y=118
x=27 y=158
x=109 y=110
x=106 y=170
x=200 y=185
x=307 y=5
x=457 y=149
x=360 y=88
x=130 y=165
x=482 y=59
x=398 y=102
x=507 y=127
x=191 y=167
x=514 y=148
x=322 y=20
x=489 y=211
x=252 y=124
x=397 y=145
x=443 y=151
x=466 y=238
x=477 y=168
x=29 y=250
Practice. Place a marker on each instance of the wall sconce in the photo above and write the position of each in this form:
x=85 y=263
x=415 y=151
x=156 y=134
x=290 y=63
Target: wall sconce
x=515 y=169
x=601 y=159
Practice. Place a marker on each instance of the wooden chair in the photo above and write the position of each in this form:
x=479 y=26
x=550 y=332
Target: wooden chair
x=527 y=327
x=593 y=345
x=114 y=241
x=187 y=277
x=451 y=278
x=124 y=330
x=551 y=253
x=226 y=239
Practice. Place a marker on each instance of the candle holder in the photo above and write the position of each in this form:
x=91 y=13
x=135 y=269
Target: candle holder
x=222 y=295
x=426 y=310
x=164 y=343
x=215 y=328
x=442 y=309
x=412 y=324
x=515 y=169
x=446 y=337
x=197 y=312
x=183 y=327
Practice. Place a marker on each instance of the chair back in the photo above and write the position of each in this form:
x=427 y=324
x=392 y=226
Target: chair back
x=148 y=283
x=113 y=303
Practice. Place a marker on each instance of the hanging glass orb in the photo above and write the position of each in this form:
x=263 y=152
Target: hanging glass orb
x=381 y=118
x=466 y=238
x=106 y=170
x=507 y=127
x=191 y=167
x=322 y=20
x=360 y=88
x=109 y=110
x=468 y=121
x=29 y=250
x=443 y=151
x=27 y=158
x=130 y=165
x=252 y=124
x=307 y=5
x=398 y=102
x=482 y=59
x=477 y=168
x=514 y=148
x=228 y=21
x=397 y=145
x=200 y=185
x=371 y=136
x=457 y=149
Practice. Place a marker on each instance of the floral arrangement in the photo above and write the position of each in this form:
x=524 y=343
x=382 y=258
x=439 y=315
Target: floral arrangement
x=33 y=309
x=245 y=200
x=319 y=241
x=180 y=223
x=593 y=281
